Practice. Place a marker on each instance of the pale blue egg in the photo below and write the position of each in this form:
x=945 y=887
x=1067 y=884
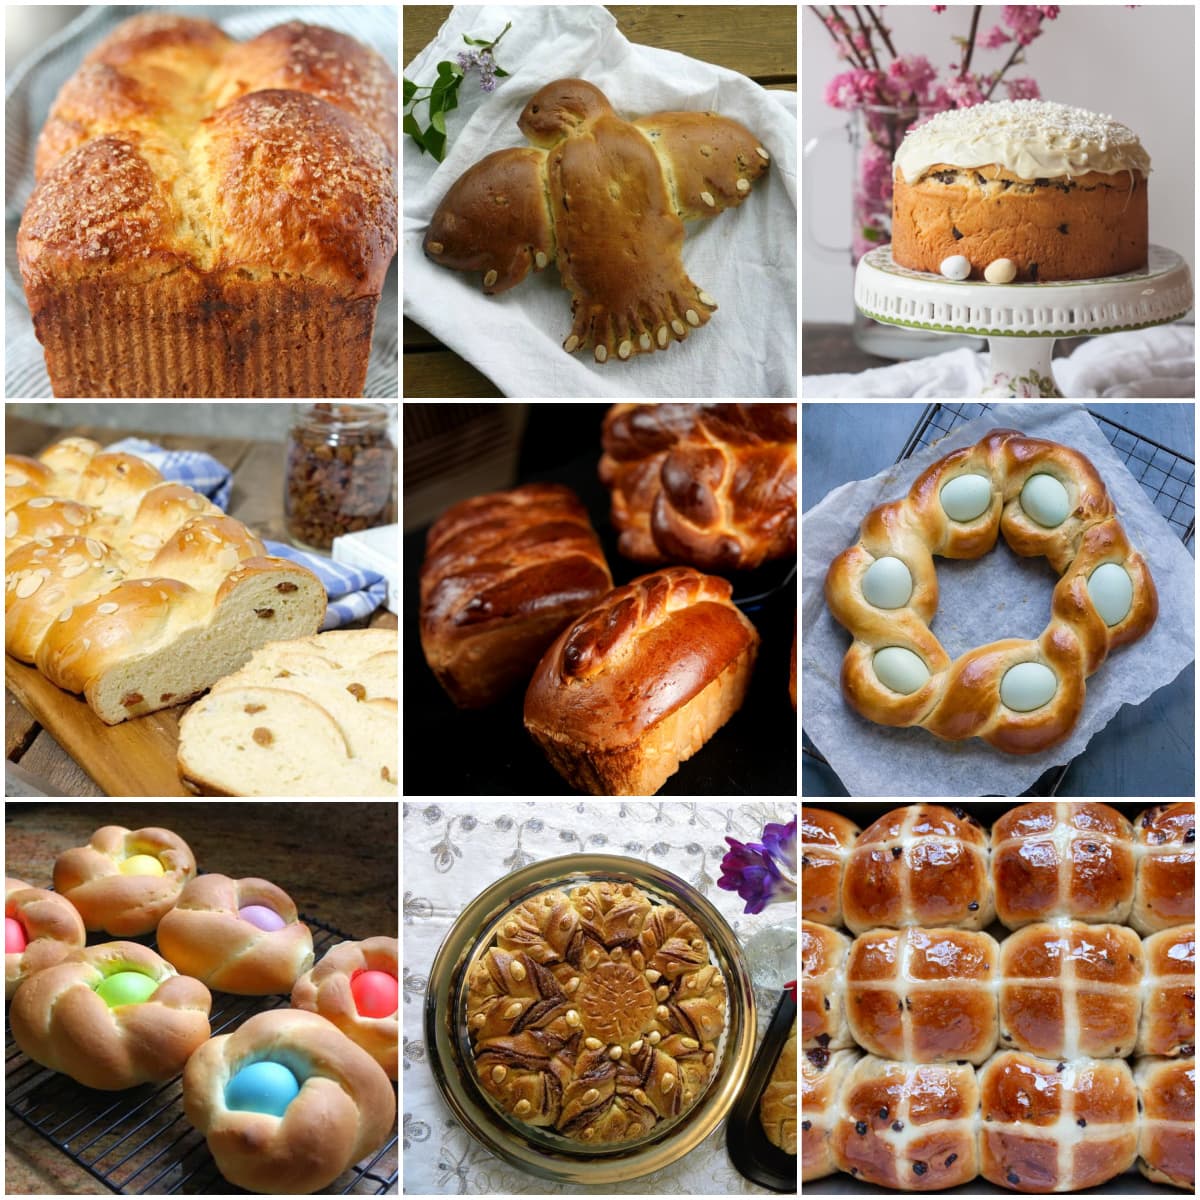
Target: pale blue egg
x=1045 y=501
x=1027 y=686
x=1111 y=591
x=901 y=670
x=262 y=1087
x=887 y=583
x=966 y=497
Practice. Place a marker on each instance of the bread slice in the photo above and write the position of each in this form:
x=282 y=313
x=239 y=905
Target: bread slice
x=312 y=717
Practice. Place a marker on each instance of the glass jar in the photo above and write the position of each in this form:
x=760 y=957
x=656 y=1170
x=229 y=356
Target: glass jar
x=542 y=1152
x=340 y=472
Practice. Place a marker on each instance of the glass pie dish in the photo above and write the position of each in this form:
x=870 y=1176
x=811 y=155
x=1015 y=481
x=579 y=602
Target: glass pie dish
x=598 y=1058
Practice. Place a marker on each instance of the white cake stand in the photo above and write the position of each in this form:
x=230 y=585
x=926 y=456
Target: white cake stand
x=1021 y=320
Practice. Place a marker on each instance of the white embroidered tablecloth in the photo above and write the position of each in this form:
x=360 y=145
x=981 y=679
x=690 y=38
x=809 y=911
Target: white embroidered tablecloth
x=451 y=852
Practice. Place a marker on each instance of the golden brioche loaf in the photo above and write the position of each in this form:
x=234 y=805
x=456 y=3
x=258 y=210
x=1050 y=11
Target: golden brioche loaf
x=213 y=218
x=641 y=681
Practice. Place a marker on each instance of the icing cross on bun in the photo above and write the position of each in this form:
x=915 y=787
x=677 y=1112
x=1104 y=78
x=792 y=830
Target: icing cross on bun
x=606 y=199
x=1021 y=189
x=237 y=935
x=356 y=986
x=287 y=1102
x=596 y=1014
x=1165 y=845
x=124 y=881
x=111 y=1016
x=40 y=929
x=1020 y=695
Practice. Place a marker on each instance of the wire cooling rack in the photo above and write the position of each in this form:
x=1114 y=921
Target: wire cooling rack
x=138 y=1141
x=1167 y=477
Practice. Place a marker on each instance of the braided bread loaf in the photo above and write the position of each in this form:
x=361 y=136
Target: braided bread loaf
x=136 y=592
x=713 y=485
x=503 y=574
x=212 y=217
x=1019 y=695
x=641 y=681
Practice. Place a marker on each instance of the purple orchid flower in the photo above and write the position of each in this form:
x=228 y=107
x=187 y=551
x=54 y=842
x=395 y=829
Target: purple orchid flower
x=762 y=872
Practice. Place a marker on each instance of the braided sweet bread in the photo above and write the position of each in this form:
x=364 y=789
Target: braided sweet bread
x=713 y=485
x=596 y=1014
x=1019 y=695
x=136 y=592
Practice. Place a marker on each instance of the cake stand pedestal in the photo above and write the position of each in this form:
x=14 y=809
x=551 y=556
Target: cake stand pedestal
x=1022 y=320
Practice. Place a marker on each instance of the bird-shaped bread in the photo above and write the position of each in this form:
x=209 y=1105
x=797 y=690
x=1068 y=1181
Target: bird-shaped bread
x=606 y=199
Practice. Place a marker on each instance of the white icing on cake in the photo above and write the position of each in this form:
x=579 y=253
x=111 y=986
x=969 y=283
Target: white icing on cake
x=1034 y=139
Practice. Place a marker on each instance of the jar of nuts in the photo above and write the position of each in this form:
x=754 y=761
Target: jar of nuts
x=341 y=465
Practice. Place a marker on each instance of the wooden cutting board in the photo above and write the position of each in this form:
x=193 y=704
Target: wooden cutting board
x=135 y=758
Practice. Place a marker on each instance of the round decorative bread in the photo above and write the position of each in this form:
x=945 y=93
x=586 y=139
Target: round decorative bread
x=1021 y=695
x=1057 y=192
x=596 y=1013
x=1165 y=888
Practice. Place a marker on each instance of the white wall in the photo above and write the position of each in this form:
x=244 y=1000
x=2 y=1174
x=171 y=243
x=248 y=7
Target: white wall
x=1137 y=64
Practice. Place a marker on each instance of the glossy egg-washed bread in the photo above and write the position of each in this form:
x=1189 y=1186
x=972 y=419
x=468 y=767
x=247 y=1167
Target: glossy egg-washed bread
x=136 y=592
x=504 y=574
x=310 y=717
x=213 y=217
x=641 y=681
x=711 y=485
x=1021 y=695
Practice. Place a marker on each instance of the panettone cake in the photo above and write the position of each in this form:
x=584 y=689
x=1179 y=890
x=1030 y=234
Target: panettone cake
x=1022 y=189
x=596 y=1013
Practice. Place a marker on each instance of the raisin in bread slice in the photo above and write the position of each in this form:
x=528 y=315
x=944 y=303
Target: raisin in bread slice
x=313 y=717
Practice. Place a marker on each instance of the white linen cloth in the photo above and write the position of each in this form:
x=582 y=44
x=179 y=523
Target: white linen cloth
x=1158 y=363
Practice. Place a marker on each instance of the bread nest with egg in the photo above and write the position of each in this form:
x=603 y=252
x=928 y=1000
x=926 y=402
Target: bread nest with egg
x=1021 y=695
x=50 y=926
x=94 y=879
x=327 y=989
x=206 y=936
x=60 y=1019
x=596 y=1013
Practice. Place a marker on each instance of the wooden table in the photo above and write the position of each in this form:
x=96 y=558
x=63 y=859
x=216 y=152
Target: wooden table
x=256 y=501
x=757 y=40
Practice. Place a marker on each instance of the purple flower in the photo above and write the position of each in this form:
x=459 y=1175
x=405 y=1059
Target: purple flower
x=756 y=870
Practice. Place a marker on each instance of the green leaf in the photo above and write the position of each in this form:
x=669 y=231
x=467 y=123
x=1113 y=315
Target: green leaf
x=436 y=143
x=410 y=90
x=501 y=71
x=445 y=69
x=414 y=130
x=438 y=122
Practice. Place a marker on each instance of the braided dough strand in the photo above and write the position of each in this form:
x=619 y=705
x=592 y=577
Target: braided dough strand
x=1000 y=485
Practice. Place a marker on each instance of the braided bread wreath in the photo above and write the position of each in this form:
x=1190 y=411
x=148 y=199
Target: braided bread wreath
x=1019 y=695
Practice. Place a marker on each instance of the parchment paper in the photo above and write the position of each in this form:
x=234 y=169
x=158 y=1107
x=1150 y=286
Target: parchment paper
x=981 y=600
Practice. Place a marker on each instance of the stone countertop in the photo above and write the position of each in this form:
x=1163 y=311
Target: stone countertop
x=338 y=861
